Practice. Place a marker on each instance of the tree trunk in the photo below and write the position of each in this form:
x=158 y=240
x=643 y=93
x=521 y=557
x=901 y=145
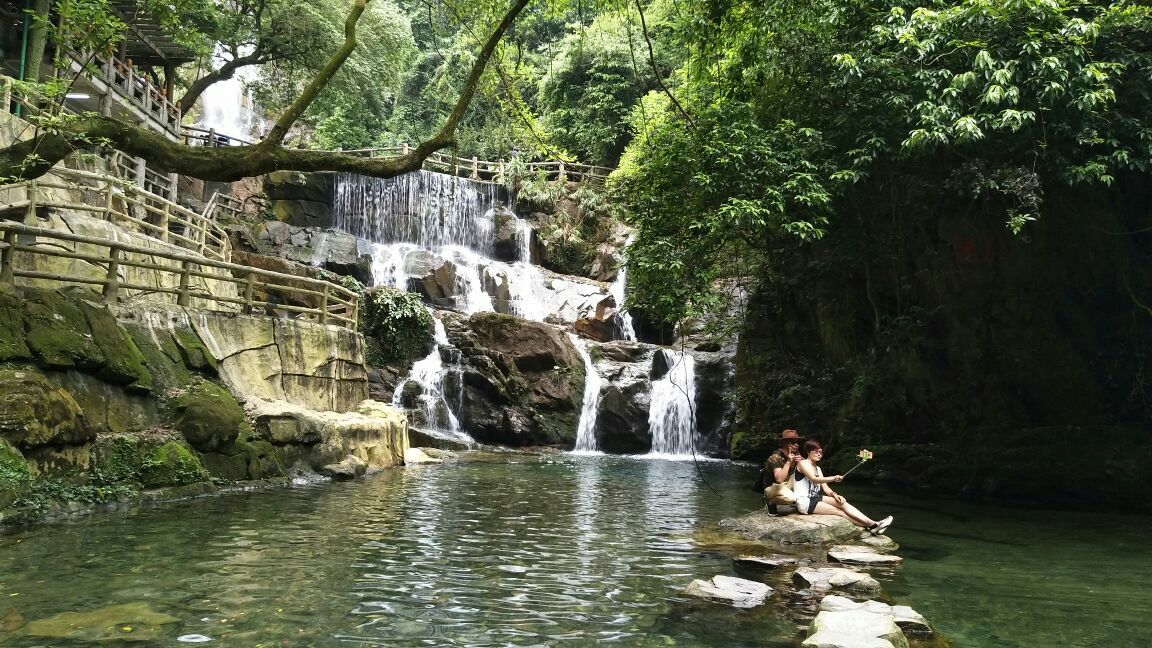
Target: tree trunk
x=37 y=39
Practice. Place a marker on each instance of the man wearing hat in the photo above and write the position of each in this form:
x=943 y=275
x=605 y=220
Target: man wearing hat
x=781 y=468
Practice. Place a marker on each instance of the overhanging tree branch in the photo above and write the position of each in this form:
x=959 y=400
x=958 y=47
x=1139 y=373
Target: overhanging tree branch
x=35 y=157
x=312 y=90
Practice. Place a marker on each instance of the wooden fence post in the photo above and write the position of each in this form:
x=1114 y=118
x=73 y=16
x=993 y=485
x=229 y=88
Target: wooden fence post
x=30 y=215
x=141 y=171
x=164 y=224
x=7 y=276
x=475 y=169
x=185 y=270
x=249 y=287
x=324 y=306
x=112 y=279
x=354 y=315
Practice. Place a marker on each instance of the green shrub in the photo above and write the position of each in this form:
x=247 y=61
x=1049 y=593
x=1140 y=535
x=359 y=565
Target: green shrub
x=397 y=325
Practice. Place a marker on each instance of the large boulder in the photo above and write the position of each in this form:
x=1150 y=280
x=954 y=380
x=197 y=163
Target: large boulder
x=332 y=250
x=715 y=411
x=523 y=380
x=208 y=416
x=12 y=345
x=37 y=412
x=507 y=233
x=792 y=529
x=622 y=418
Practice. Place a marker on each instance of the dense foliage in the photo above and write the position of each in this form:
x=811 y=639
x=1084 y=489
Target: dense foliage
x=787 y=112
x=397 y=325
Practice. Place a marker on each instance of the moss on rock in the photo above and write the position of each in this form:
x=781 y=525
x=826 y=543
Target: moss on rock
x=37 y=412
x=15 y=479
x=124 y=363
x=208 y=416
x=172 y=464
x=58 y=334
x=193 y=352
x=12 y=345
x=162 y=357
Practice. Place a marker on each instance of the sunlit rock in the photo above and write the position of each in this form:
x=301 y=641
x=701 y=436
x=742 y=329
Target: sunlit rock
x=792 y=529
x=737 y=592
x=826 y=578
x=911 y=622
x=847 y=624
x=862 y=555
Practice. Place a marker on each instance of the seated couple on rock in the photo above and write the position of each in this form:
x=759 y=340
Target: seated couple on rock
x=796 y=480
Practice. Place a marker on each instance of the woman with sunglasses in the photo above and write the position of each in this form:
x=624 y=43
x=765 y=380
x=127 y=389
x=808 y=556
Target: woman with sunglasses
x=813 y=495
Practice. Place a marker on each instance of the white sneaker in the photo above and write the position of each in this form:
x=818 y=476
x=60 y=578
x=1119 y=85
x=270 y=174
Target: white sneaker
x=882 y=526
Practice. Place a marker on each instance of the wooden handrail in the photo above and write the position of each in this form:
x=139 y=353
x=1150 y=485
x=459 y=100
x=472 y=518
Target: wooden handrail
x=214 y=241
x=337 y=304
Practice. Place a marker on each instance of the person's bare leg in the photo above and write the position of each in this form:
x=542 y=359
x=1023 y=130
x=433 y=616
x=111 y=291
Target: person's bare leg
x=828 y=506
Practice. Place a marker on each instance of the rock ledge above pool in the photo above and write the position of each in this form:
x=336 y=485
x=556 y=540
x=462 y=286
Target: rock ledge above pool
x=792 y=529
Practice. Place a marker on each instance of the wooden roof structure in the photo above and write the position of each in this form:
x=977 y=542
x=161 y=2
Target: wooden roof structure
x=147 y=42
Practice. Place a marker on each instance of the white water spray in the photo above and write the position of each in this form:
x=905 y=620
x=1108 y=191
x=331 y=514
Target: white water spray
x=429 y=373
x=672 y=414
x=586 y=430
x=228 y=107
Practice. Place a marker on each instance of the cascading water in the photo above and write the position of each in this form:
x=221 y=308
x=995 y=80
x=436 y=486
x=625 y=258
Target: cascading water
x=227 y=105
x=586 y=430
x=429 y=373
x=432 y=210
x=623 y=319
x=672 y=414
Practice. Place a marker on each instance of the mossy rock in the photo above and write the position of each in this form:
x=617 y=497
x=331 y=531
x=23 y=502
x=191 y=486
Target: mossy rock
x=58 y=334
x=263 y=460
x=208 y=416
x=162 y=357
x=124 y=363
x=117 y=459
x=15 y=478
x=36 y=412
x=12 y=345
x=195 y=355
x=172 y=464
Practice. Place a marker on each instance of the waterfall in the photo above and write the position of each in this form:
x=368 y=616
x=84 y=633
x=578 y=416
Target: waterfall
x=432 y=210
x=672 y=414
x=429 y=373
x=227 y=106
x=586 y=430
x=623 y=319
x=524 y=238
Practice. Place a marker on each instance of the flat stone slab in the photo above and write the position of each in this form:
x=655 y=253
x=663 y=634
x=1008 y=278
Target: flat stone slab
x=774 y=561
x=910 y=621
x=792 y=529
x=737 y=592
x=881 y=543
x=862 y=555
x=826 y=578
x=846 y=624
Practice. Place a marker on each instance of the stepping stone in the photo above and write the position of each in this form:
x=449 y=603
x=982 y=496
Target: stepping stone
x=774 y=561
x=842 y=623
x=881 y=543
x=826 y=578
x=859 y=555
x=737 y=592
x=909 y=620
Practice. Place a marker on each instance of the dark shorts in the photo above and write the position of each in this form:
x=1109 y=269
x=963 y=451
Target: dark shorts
x=812 y=504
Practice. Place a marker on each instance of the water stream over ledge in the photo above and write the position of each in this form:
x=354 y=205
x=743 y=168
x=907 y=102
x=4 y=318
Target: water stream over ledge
x=522 y=550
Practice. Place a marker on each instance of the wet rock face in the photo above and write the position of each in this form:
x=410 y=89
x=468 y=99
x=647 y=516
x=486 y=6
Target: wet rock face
x=38 y=413
x=622 y=421
x=505 y=236
x=523 y=381
x=300 y=199
x=330 y=249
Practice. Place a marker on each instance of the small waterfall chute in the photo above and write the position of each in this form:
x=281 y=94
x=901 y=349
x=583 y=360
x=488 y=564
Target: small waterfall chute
x=430 y=373
x=672 y=413
x=586 y=430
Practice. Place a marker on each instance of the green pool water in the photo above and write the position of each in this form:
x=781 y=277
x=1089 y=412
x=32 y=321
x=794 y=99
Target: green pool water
x=528 y=551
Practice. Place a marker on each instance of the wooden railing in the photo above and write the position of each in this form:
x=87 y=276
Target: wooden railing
x=222 y=204
x=489 y=171
x=136 y=88
x=196 y=136
x=122 y=203
x=318 y=300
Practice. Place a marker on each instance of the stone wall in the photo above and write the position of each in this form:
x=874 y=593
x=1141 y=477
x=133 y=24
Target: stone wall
x=98 y=409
